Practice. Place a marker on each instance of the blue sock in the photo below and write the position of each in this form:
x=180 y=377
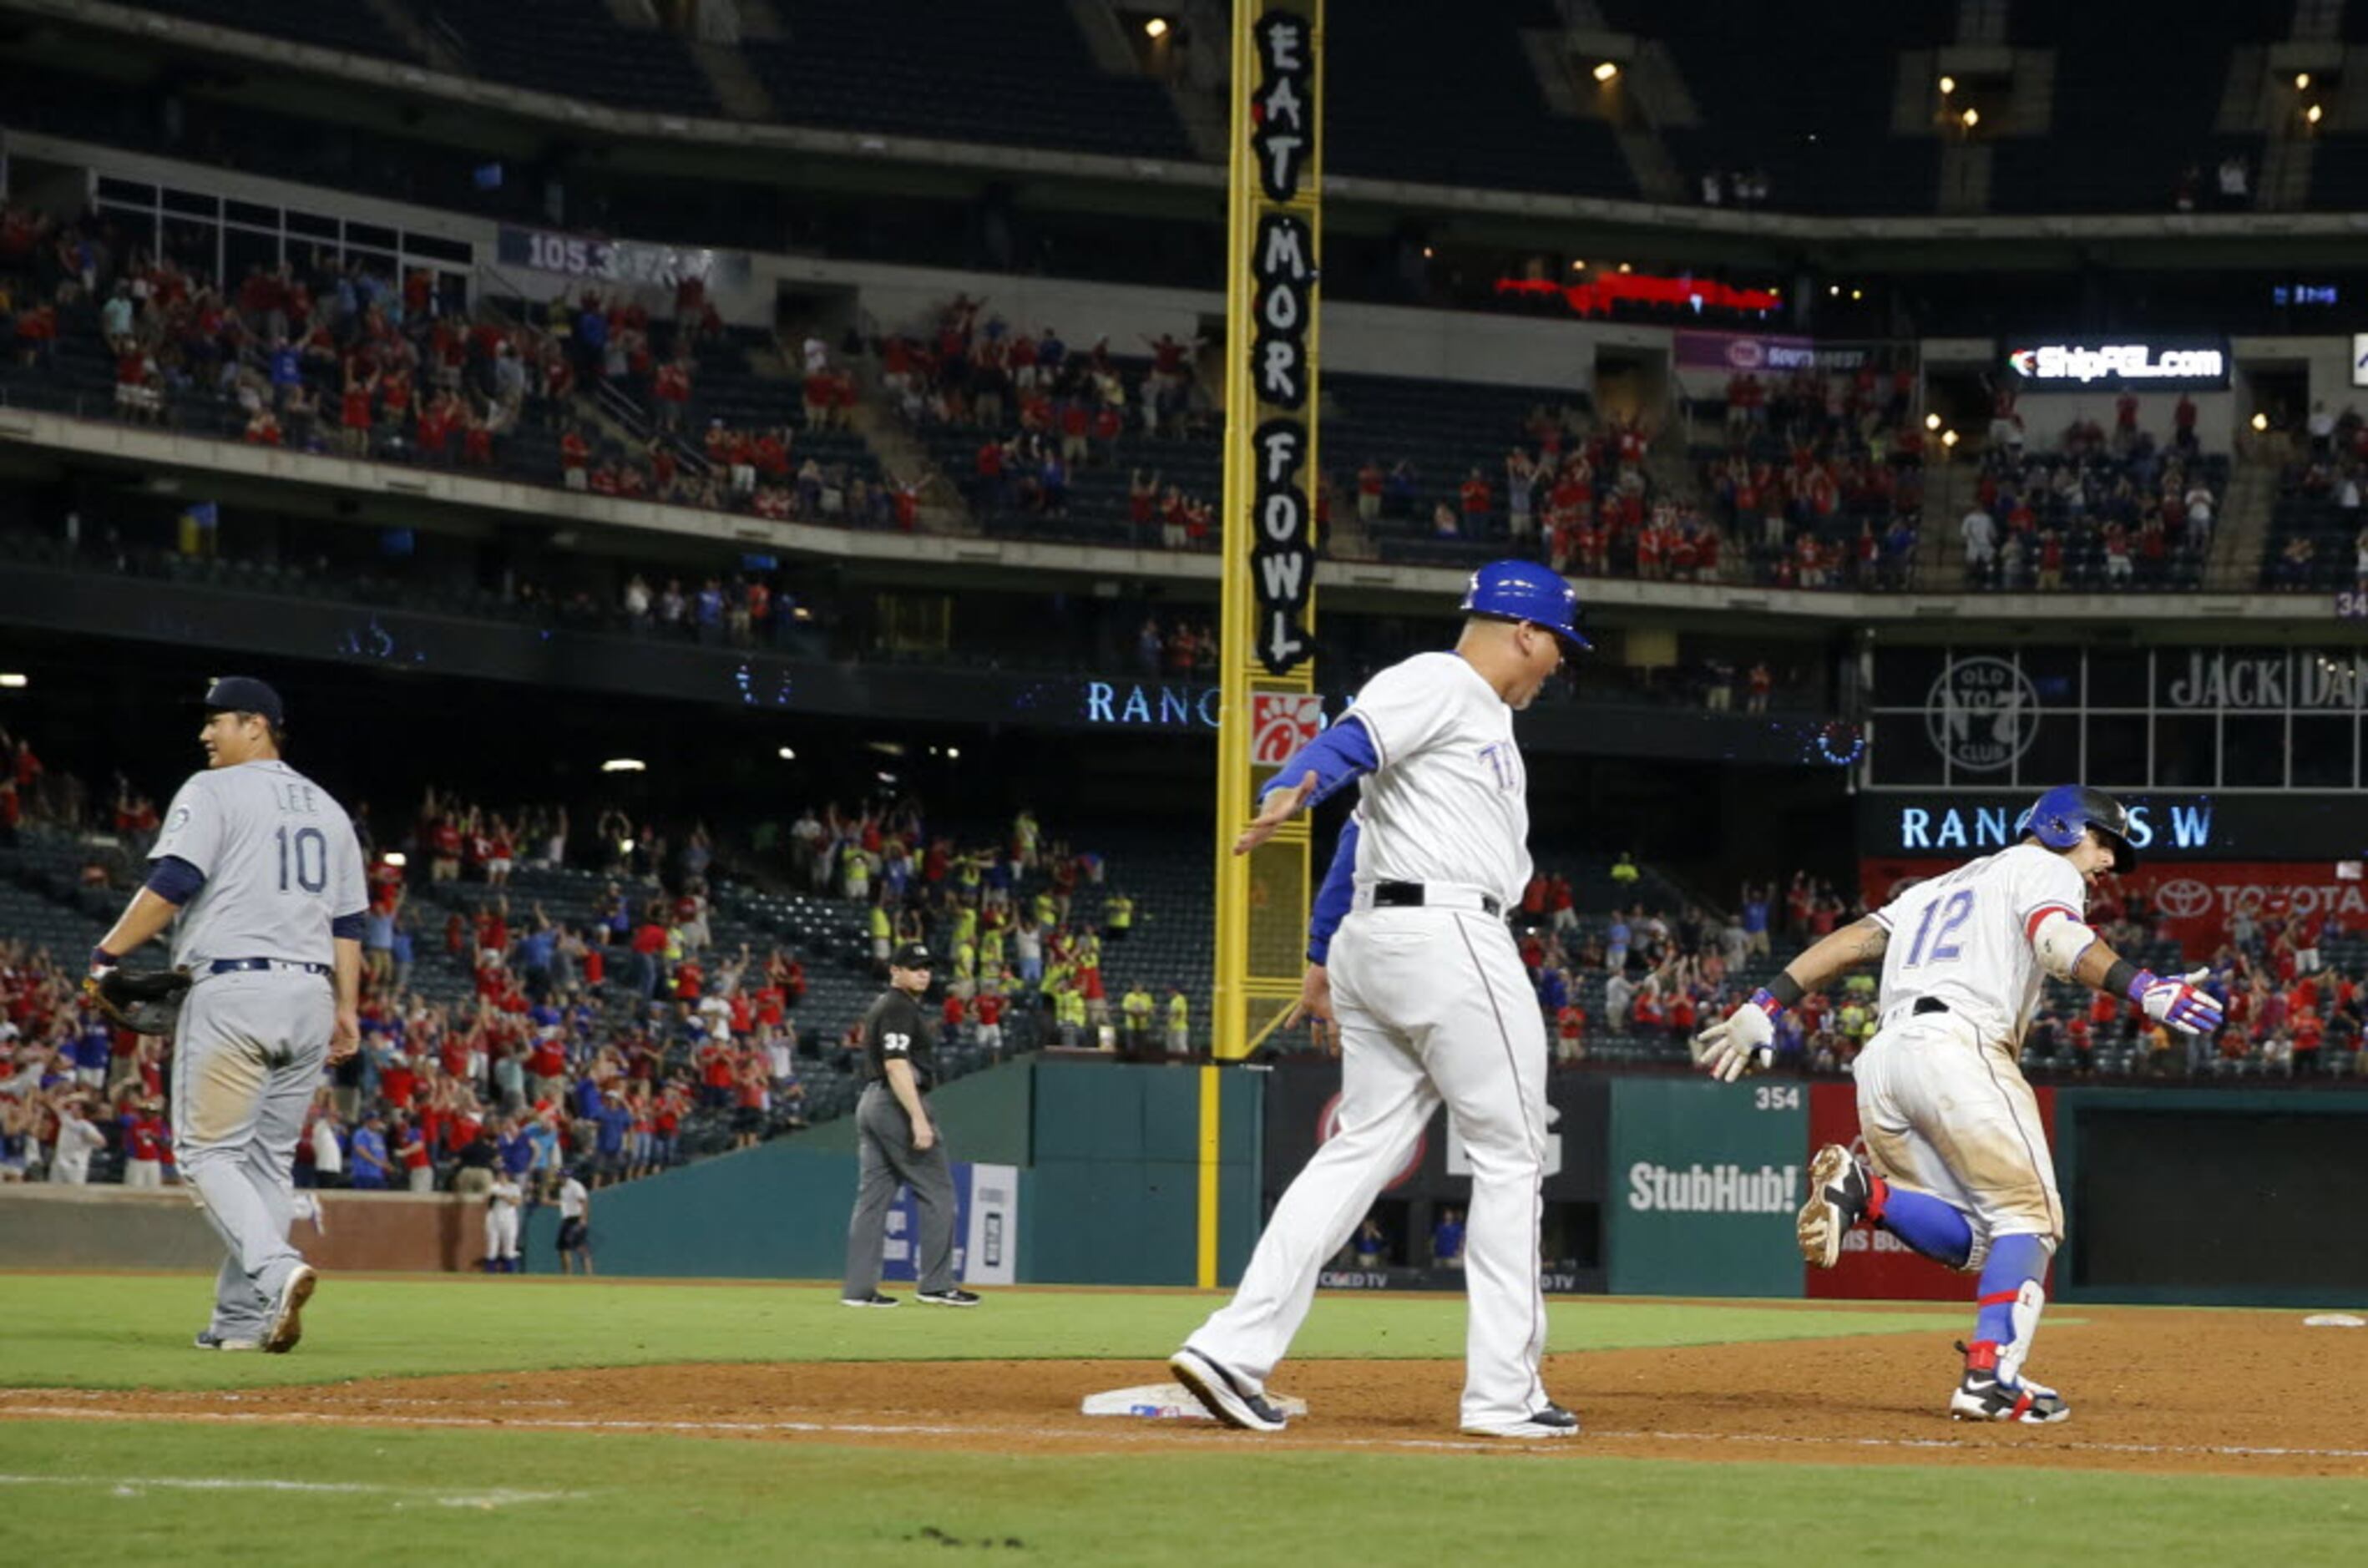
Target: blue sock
x=1933 y=1227
x=2012 y=1261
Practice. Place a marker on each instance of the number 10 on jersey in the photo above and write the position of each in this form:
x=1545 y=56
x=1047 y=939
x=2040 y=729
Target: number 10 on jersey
x=306 y=853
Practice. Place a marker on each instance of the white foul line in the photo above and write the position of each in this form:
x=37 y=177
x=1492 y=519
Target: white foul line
x=1121 y=1432
x=133 y=1486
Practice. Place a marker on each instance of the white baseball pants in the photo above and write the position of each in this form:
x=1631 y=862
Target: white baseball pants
x=1948 y=1114
x=1433 y=1006
x=501 y=1231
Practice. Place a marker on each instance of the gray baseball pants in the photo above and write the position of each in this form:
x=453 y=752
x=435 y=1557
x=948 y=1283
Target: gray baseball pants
x=887 y=1160
x=248 y=1057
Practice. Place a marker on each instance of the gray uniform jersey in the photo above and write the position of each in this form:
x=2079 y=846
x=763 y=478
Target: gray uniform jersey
x=280 y=858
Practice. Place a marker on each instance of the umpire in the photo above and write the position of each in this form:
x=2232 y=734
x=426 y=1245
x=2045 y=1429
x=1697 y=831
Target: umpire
x=899 y=1143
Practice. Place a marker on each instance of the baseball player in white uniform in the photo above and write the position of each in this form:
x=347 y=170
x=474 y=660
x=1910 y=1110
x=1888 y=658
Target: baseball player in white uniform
x=259 y=874
x=1957 y=1164
x=502 y=1202
x=1409 y=954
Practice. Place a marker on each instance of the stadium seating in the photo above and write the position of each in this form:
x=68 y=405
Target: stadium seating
x=578 y=49
x=1802 y=97
x=1013 y=72
x=2313 y=543
x=2110 y=75
x=354 y=28
x=1445 y=94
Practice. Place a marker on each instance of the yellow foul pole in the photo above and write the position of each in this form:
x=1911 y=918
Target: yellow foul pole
x=1267 y=681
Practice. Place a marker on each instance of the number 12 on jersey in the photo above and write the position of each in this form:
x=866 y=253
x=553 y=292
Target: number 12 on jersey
x=1951 y=912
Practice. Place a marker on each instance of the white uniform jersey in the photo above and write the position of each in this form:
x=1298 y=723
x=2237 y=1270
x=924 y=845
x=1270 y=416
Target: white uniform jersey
x=1964 y=939
x=279 y=859
x=573 y=1200
x=505 y=1192
x=1449 y=800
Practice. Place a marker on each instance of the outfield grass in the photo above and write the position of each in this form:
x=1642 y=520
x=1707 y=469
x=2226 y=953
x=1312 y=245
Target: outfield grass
x=133 y=1331
x=77 y=1492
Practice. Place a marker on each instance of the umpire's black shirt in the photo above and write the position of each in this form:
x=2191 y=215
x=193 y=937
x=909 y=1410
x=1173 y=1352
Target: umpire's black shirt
x=897 y=1028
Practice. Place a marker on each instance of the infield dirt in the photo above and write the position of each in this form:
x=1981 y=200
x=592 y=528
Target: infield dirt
x=2151 y=1389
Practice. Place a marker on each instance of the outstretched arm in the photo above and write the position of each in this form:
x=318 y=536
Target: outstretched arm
x=1743 y=1041
x=2070 y=949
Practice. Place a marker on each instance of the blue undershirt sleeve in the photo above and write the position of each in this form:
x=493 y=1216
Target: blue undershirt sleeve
x=1340 y=756
x=349 y=926
x=1333 y=898
x=175 y=881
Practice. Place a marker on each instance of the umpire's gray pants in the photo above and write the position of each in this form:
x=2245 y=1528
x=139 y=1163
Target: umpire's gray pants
x=885 y=1145
x=248 y=1056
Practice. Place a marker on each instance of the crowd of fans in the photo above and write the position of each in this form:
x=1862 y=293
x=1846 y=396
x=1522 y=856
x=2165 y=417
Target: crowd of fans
x=1004 y=917
x=335 y=353
x=1044 y=410
x=590 y=1047
x=2111 y=509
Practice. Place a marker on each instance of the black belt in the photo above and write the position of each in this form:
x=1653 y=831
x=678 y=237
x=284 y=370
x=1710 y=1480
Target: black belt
x=231 y=966
x=1925 y=1004
x=1408 y=895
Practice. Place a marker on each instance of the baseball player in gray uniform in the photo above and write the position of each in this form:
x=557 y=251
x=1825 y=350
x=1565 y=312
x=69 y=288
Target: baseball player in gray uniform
x=258 y=873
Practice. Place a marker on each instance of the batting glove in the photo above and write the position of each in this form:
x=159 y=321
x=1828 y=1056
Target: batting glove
x=2178 y=1001
x=1743 y=1041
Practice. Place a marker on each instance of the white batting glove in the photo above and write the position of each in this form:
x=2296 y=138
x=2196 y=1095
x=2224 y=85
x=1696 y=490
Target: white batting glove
x=2179 y=1002
x=1743 y=1041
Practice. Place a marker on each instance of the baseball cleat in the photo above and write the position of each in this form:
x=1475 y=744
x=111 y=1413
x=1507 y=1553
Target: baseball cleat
x=1839 y=1191
x=288 y=1311
x=1553 y=1421
x=208 y=1339
x=1230 y=1399
x=953 y=1298
x=868 y=1299
x=1984 y=1396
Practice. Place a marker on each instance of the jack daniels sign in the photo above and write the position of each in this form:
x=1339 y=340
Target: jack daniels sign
x=1283 y=217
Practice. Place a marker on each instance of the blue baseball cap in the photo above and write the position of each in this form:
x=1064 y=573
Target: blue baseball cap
x=243 y=694
x=1525 y=590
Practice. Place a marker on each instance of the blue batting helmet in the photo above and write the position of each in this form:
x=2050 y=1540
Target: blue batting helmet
x=2061 y=816
x=1523 y=590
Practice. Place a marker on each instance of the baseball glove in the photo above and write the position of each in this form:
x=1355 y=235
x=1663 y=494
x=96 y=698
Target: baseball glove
x=144 y=1004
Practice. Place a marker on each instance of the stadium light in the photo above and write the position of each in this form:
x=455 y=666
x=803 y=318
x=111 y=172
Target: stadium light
x=15 y=682
x=1858 y=293
x=624 y=847
x=2302 y=81
x=1970 y=117
x=1932 y=422
x=1948 y=85
x=396 y=858
x=624 y=764
x=2261 y=423
x=1156 y=27
x=953 y=754
x=1833 y=290
x=1625 y=268
x=2313 y=113
x=1606 y=71
x=1428 y=253
x=1578 y=266
x=788 y=753
x=1949 y=440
